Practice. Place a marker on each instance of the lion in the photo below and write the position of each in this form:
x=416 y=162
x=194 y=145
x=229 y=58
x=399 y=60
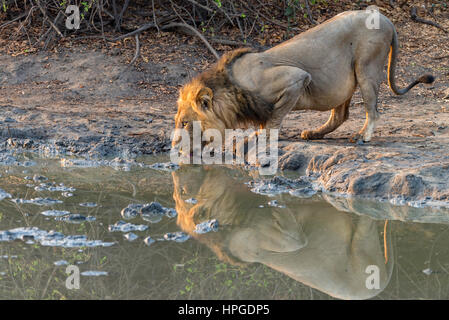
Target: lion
x=315 y=70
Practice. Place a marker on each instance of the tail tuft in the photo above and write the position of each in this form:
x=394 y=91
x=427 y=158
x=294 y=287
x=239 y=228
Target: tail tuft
x=427 y=78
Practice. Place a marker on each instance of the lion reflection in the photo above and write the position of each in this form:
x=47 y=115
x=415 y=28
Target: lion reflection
x=313 y=243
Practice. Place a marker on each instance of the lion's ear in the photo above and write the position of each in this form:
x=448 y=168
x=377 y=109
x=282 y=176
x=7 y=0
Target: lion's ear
x=204 y=98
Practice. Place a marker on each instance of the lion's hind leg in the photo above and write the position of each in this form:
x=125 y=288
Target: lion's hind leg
x=369 y=90
x=369 y=74
x=338 y=115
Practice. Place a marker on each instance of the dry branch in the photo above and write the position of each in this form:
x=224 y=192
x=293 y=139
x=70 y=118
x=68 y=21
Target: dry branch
x=416 y=18
x=165 y=27
x=196 y=32
x=49 y=20
x=23 y=15
x=309 y=12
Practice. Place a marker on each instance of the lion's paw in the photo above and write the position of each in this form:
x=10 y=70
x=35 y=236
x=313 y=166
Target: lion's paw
x=310 y=135
x=357 y=139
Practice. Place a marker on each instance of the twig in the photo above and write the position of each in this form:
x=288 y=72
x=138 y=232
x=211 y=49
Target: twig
x=100 y=12
x=268 y=19
x=15 y=19
x=108 y=13
x=173 y=5
x=238 y=22
x=416 y=18
x=201 y=6
x=114 y=12
x=152 y=25
x=430 y=11
x=50 y=28
x=154 y=17
x=224 y=12
x=309 y=12
x=49 y=38
x=229 y=42
x=137 y=54
x=196 y=32
x=441 y=57
x=49 y=21
x=118 y=22
x=132 y=33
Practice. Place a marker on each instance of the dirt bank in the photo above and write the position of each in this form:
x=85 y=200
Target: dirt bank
x=88 y=102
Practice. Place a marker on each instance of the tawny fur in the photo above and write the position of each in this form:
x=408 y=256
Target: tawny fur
x=319 y=69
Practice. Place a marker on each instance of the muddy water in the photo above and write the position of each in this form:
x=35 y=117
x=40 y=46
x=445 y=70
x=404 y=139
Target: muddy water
x=135 y=232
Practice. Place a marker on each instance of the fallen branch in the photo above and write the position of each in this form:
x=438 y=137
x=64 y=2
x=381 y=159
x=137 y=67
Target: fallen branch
x=441 y=57
x=50 y=29
x=152 y=25
x=416 y=18
x=132 y=33
x=118 y=21
x=23 y=15
x=196 y=32
x=229 y=42
x=48 y=19
x=137 y=54
x=154 y=16
x=201 y=6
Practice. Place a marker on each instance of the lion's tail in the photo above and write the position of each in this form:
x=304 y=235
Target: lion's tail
x=427 y=78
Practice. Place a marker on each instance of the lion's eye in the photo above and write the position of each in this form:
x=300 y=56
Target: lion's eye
x=185 y=123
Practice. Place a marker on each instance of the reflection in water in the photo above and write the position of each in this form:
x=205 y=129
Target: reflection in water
x=310 y=242
x=269 y=252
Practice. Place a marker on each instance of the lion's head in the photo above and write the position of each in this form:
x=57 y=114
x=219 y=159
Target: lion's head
x=214 y=99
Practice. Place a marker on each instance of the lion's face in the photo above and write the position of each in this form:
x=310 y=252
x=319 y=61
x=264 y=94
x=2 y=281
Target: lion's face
x=185 y=117
x=195 y=103
x=215 y=101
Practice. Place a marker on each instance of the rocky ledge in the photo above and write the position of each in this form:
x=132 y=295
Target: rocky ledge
x=403 y=174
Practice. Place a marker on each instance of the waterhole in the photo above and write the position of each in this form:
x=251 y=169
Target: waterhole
x=147 y=229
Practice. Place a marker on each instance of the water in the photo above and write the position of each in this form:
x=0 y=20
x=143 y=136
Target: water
x=201 y=233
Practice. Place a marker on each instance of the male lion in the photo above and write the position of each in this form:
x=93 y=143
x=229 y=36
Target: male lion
x=316 y=70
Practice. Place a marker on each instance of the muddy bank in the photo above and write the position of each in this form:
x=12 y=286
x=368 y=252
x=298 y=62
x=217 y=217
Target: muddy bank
x=415 y=175
x=87 y=103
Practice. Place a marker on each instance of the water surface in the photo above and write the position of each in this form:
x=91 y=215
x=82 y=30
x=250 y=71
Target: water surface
x=201 y=233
